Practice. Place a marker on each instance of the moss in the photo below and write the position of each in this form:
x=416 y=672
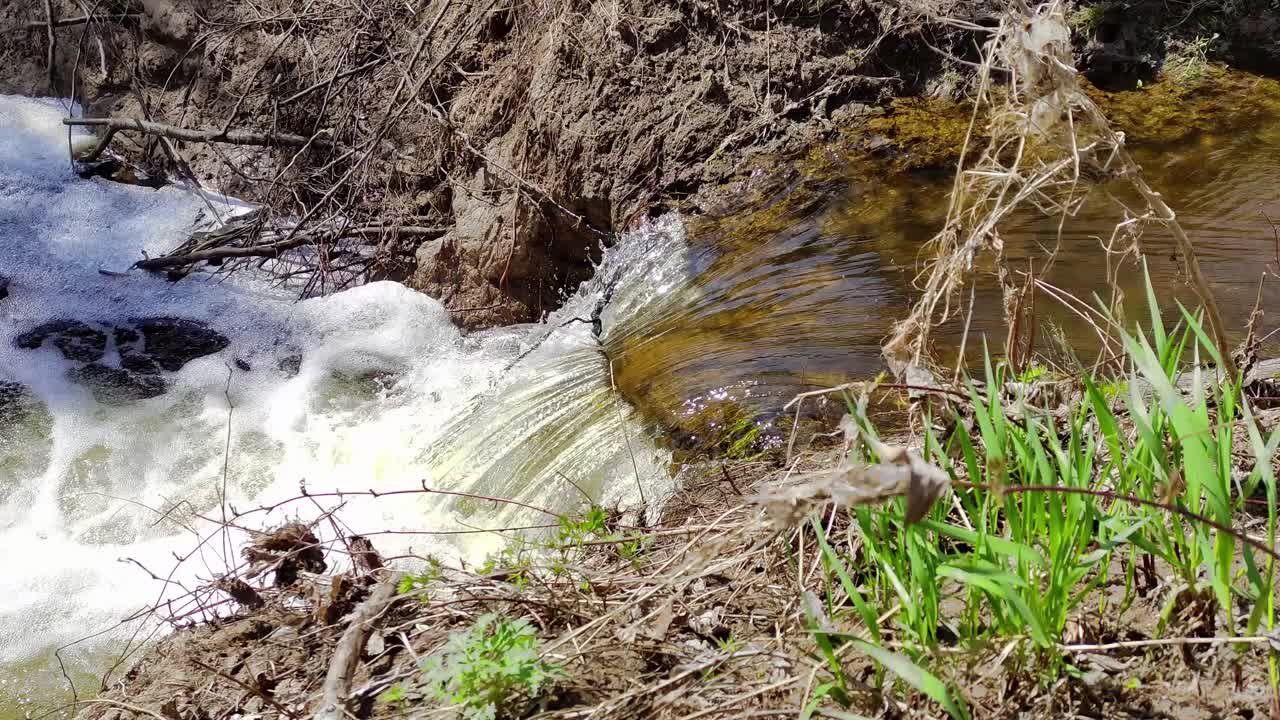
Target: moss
x=724 y=429
x=1173 y=109
x=924 y=132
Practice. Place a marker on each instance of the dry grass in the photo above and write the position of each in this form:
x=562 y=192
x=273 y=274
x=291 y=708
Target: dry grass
x=1048 y=143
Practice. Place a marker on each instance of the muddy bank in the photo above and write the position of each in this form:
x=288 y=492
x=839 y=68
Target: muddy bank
x=701 y=615
x=488 y=149
x=525 y=133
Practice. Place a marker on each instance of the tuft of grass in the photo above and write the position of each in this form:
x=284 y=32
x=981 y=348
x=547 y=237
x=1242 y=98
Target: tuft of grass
x=1088 y=19
x=1187 y=65
x=1049 y=508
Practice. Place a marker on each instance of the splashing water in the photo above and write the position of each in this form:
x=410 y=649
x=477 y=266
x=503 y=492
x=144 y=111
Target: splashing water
x=369 y=389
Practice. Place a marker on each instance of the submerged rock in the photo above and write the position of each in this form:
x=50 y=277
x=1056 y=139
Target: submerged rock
x=77 y=340
x=116 y=386
x=290 y=365
x=15 y=399
x=170 y=343
x=26 y=441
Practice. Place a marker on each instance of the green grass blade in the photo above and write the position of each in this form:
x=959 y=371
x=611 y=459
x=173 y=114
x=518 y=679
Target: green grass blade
x=834 y=564
x=915 y=676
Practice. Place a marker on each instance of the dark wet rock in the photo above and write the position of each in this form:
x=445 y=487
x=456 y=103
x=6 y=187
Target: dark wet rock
x=4 y=287
x=243 y=364
x=138 y=362
x=166 y=343
x=119 y=171
x=126 y=336
x=290 y=365
x=147 y=347
x=78 y=341
x=116 y=386
x=132 y=357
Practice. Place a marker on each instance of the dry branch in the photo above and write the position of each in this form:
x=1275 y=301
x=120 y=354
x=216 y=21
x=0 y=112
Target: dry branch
x=273 y=249
x=53 y=43
x=346 y=656
x=83 y=19
x=222 y=135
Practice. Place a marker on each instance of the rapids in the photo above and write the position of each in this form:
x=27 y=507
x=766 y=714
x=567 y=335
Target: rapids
x=369 y=389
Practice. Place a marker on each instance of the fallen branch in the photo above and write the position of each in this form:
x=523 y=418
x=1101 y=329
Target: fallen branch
x=231 y=137
x=346 y=656
x=273 y=249
x=83 y=19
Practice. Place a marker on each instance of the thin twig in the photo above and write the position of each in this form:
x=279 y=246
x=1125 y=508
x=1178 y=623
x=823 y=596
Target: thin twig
x=1131 y=644
x=84 y=19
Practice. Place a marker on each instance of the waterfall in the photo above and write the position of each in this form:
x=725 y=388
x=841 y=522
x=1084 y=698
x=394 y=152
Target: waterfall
x=114 y=455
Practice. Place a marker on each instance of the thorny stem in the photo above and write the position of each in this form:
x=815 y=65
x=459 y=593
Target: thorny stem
x=1111 y=495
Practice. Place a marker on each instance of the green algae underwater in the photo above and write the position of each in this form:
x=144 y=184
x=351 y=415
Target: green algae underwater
x=800 y=281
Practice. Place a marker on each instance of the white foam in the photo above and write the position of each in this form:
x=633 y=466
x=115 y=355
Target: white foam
x=389 y=394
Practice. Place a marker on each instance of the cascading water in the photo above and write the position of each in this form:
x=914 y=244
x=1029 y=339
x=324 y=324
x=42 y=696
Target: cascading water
x=114 y=456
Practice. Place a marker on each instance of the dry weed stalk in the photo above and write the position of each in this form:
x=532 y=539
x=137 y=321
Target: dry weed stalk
x=1047 y=142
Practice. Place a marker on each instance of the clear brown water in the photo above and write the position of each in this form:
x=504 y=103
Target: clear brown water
x=799 y=293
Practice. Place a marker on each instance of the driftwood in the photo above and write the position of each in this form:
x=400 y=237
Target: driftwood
x=220 y=135
x=273 y=249
x=346 y=656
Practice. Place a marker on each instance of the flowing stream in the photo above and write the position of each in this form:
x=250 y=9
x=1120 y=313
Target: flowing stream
x=113 y=458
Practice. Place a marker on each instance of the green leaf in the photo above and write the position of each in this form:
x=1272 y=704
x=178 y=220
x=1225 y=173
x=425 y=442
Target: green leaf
x=832 y=562
x=999 y=545
x=915 y=676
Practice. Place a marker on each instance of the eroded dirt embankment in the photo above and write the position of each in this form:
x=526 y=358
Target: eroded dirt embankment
x=514 y=137
x=520 y=135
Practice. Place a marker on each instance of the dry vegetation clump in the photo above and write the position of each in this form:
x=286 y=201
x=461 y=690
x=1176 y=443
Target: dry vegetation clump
x=1045 y=144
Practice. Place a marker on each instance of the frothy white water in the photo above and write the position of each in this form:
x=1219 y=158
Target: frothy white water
x=389 y=395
